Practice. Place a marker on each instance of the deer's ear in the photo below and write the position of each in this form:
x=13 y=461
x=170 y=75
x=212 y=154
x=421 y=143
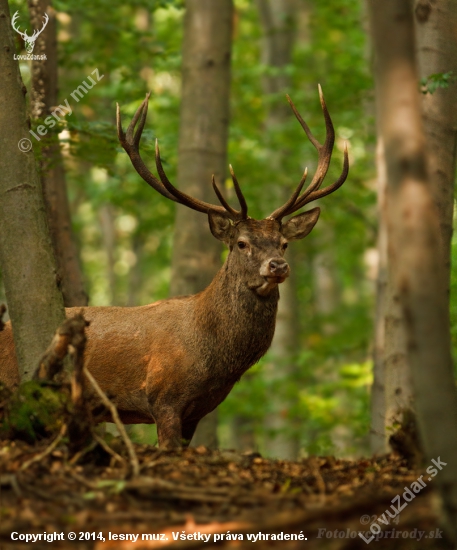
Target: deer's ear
x=300 y=226
x=221 y=226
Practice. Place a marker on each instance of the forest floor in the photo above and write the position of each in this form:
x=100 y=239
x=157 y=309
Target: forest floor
x=206 y=498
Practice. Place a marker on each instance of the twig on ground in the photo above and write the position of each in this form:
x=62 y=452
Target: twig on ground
x=80 y=479
x=90 y=447
x=108 y=449
x=47 y=451
x=135 y=465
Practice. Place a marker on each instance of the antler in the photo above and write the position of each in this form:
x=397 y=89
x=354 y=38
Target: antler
x=312 y=192
x=13 y=24
x=130 y=141
x=36 y=33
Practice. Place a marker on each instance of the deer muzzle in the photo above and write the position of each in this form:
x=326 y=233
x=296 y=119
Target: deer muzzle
x=275 y=270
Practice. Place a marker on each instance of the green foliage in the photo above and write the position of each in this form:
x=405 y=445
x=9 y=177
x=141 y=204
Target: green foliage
x=429 y=84
x=33 y=412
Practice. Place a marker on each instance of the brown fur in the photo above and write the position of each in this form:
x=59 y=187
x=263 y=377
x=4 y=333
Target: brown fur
x=174 y=361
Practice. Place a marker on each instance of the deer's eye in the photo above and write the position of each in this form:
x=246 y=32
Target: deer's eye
x=284 y=246
x=241 y=244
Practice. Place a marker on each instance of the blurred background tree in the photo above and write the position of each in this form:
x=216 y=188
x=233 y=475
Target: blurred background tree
x=124 y=231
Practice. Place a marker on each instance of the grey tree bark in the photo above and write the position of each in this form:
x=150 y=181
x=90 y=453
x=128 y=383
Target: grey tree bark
x=44 y=100
x=278 y=19
x=436 y=50
x=202 y=152
x=415 y=241
x=392 y=392
x=378 y=442
x=26 y=257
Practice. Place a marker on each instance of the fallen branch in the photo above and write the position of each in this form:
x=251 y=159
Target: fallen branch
x=135 y=465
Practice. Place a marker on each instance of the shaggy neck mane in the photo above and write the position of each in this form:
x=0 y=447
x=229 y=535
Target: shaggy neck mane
x=235 y=319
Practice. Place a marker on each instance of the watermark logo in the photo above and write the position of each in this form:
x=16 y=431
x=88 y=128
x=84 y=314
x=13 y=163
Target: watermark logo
x=398 y=505
x=29 y=40
x=24 y=145
x=62 y=111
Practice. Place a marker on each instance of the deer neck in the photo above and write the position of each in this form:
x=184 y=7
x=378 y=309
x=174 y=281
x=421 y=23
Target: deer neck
x=236 y=320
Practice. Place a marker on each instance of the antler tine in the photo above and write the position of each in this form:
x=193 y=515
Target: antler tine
x=15 y=27
x=37 y=32
x=130 y=141
x=324 y=157
x=279 y=213
x=222 y=200
x=130 y=144
x=143 y=116
x=324 y=150
x=142 y=111
x=239 y=194
x=183 y=198
x=120 y=131
x=303 y=124
x=324 y=154
x=318 y=194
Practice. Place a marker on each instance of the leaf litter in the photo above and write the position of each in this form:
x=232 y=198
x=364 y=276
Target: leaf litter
x=328 y=500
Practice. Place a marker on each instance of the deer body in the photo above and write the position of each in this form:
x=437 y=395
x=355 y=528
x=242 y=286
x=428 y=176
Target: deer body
x=174 y=361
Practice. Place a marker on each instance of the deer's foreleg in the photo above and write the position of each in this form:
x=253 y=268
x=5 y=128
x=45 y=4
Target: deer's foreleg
x=169 y=429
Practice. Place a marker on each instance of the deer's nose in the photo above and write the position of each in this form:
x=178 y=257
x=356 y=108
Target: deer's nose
x=278 y=267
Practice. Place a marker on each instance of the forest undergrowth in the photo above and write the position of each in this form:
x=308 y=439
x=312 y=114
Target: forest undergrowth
x=196 y=490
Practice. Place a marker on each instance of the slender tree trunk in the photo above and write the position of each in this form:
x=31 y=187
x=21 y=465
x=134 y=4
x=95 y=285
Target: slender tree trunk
x=202 y=151
x=378 y=441
x=415 y=243
x=26 y=257
x=435 y=26
x=436 y=35
x=278 y=22
x=325 y=286
x=392 y=393
x=44 y=100
x=108 y=229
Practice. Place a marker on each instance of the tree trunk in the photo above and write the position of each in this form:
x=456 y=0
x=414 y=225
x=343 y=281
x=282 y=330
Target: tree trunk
x=44 y=100
x=278 y=22
x=378 y=442
x=202 y=151
x=108 y=230
x=415 y=244
x=26 y=258
x=436 y=35
x=392 y=393
x=436 y=47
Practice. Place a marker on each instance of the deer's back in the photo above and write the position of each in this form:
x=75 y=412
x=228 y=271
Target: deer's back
x=121 y=342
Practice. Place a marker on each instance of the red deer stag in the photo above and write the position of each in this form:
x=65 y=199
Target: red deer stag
x=173 y=361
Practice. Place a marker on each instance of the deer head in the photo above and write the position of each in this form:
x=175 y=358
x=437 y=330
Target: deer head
x=257 y=247
x=29 y=40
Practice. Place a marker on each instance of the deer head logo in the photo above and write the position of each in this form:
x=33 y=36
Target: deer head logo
x=29 y=40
